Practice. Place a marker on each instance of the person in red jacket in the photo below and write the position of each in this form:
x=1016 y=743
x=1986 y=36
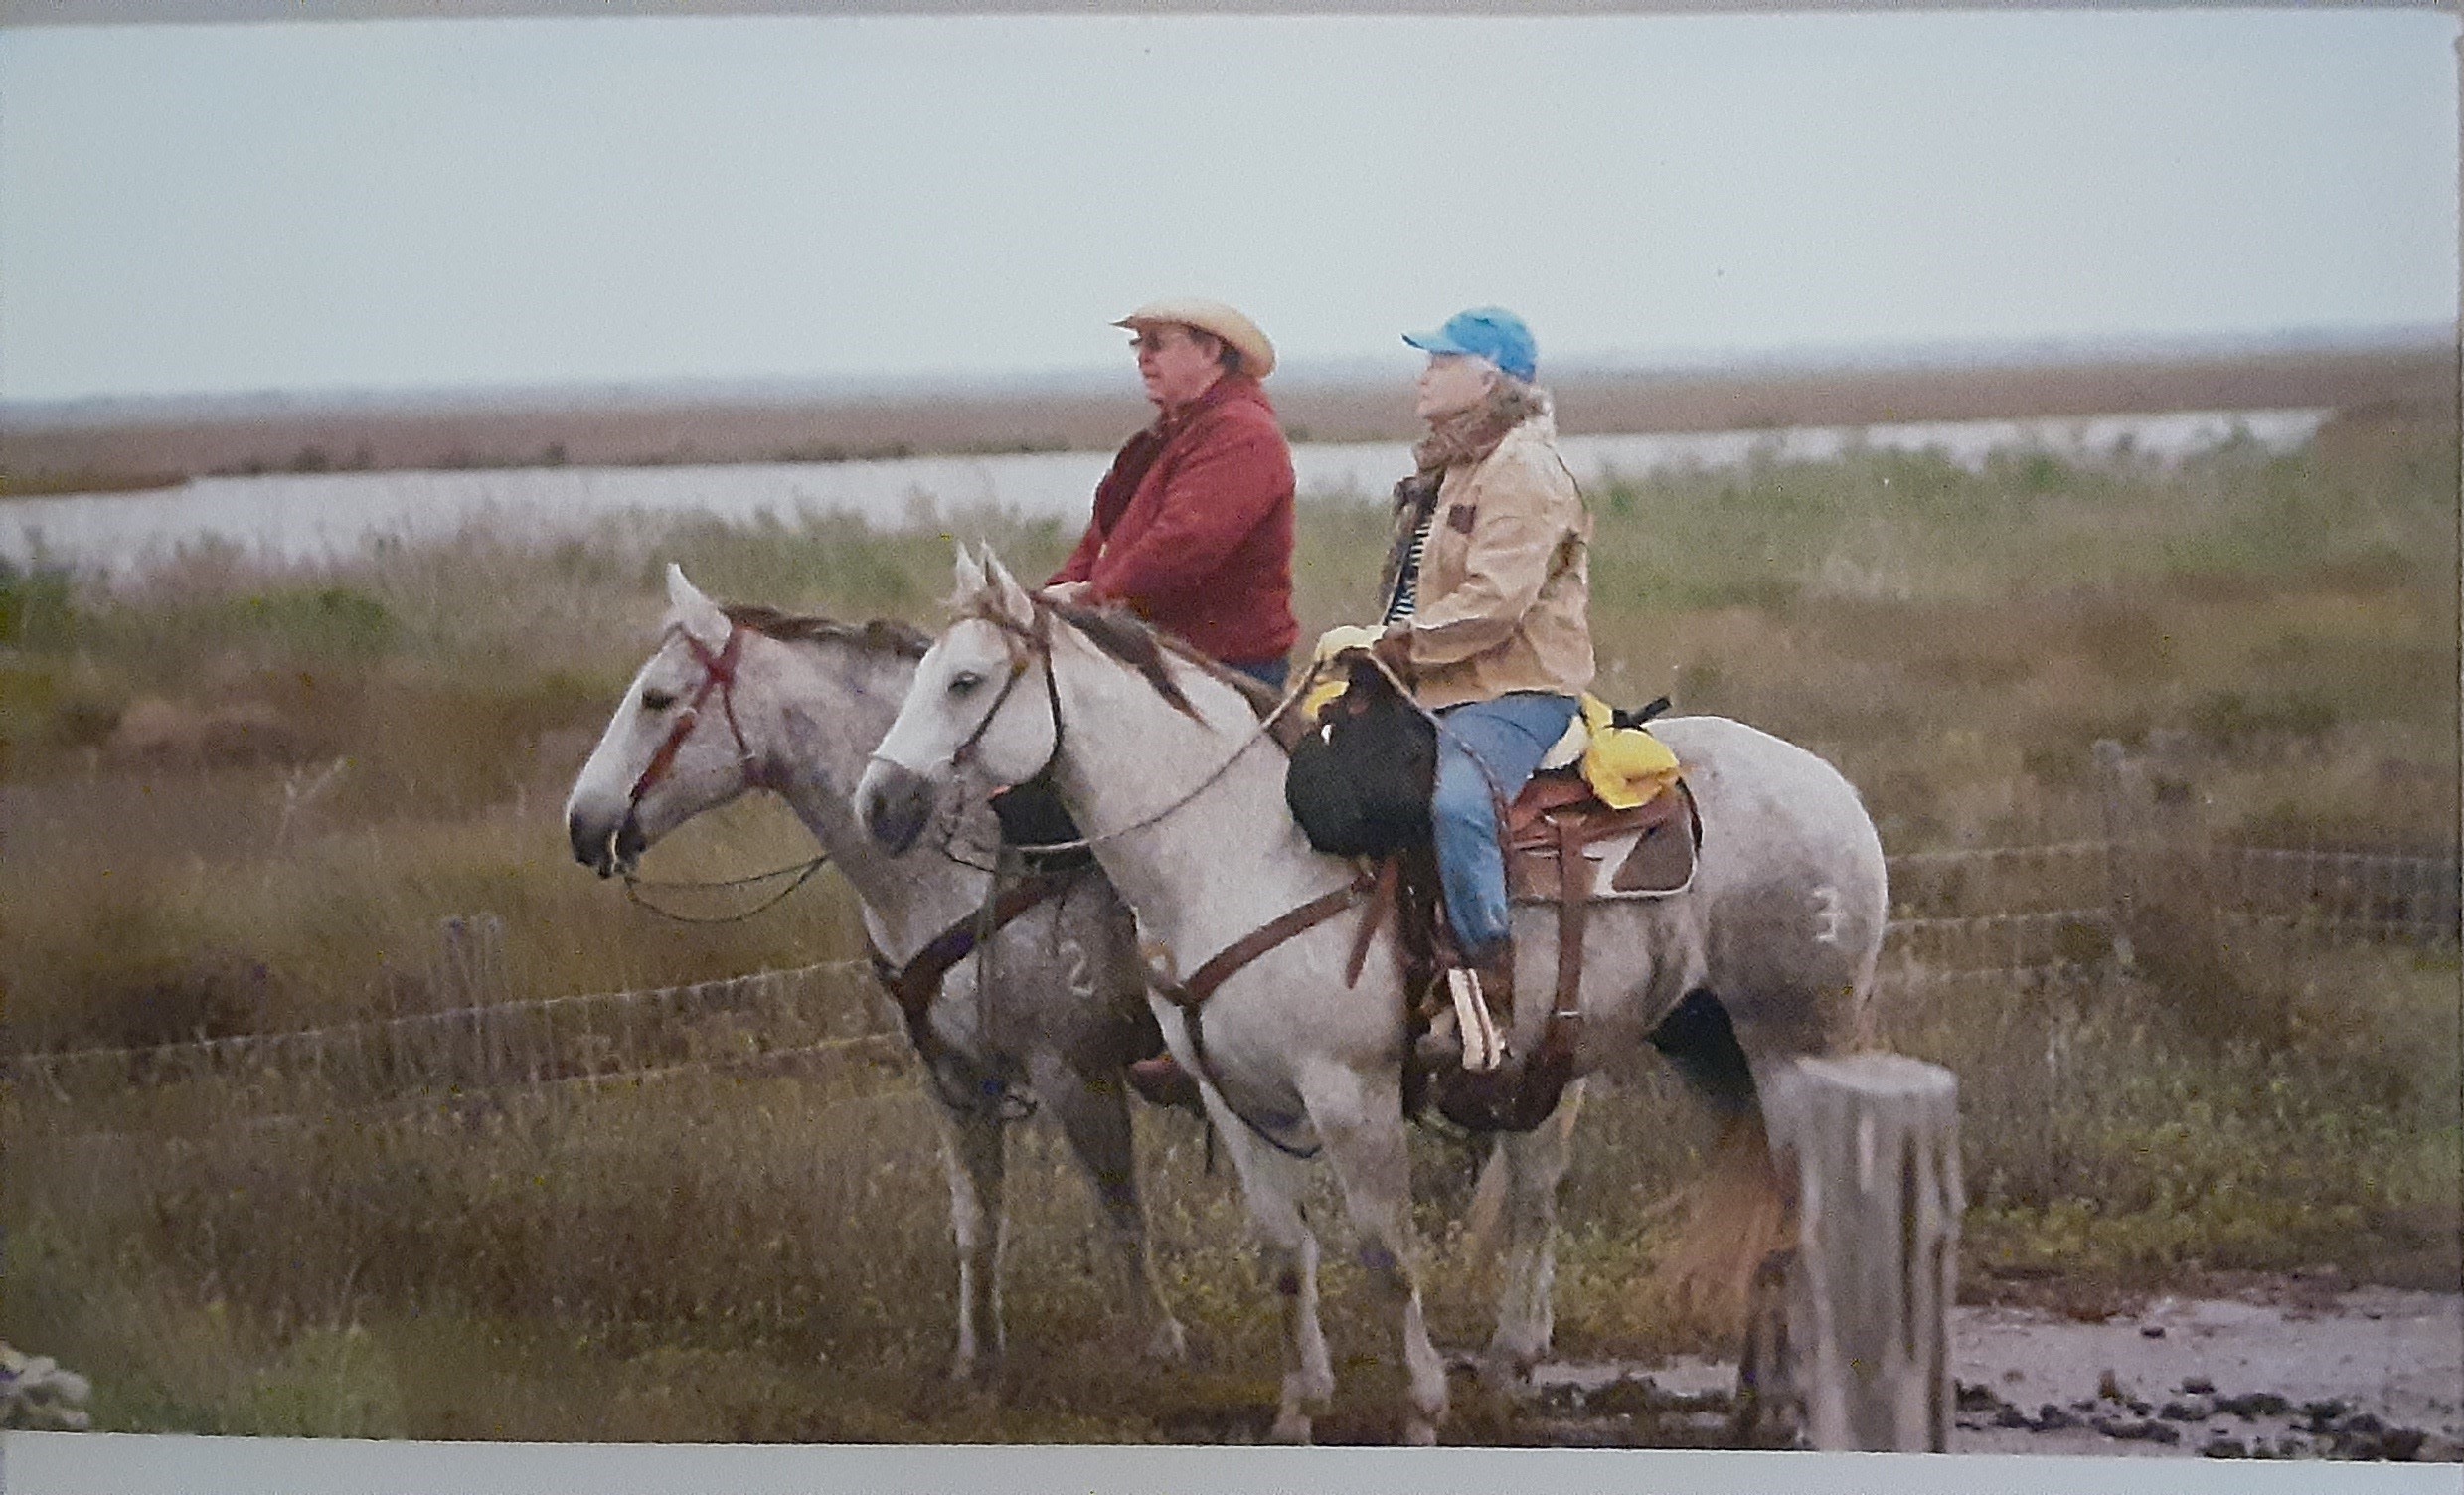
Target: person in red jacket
x=1193 y=524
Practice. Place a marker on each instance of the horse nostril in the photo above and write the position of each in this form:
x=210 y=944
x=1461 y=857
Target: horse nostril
x=590 y=842
x=893 y=811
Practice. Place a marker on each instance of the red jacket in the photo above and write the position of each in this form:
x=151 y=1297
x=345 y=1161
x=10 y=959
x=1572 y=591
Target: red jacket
x=1193 y=527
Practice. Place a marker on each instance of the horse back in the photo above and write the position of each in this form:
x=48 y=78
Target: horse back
x=1790 y=888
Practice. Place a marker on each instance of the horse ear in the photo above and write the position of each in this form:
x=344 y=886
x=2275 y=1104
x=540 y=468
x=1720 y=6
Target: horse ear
x=690 y=610
x=1004 y=592
x=967 y=574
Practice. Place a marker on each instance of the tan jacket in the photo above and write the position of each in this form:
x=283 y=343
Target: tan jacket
x=1505 y=589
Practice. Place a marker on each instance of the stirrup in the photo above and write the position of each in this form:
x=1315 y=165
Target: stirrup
x=1483 y=1047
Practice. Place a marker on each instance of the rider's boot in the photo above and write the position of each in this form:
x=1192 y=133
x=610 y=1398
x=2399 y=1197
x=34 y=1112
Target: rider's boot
x=1163 y=1081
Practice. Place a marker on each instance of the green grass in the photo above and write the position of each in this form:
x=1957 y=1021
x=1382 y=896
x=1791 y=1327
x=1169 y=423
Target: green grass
x=240 y=797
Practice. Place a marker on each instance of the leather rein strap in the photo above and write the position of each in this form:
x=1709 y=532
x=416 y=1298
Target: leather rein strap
x=1191 y=994
x=914 y=985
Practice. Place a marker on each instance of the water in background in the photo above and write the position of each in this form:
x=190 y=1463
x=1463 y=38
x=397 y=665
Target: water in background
x=307 y=517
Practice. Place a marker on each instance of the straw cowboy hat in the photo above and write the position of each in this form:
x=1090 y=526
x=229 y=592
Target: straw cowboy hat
x=1257 y=355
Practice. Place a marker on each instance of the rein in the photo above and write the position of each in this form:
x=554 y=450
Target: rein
x=1032 y=644
x=803 y=872
x=1190 y=996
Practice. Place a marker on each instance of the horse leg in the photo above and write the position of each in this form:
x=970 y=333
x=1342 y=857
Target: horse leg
x=1532 y=1164
x=1271 y=1187
x=1094 y=1114
x=971 y=1150
x=1359 y=1119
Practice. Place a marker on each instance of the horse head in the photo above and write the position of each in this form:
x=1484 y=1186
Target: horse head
x=982 y=700
x=676 y=745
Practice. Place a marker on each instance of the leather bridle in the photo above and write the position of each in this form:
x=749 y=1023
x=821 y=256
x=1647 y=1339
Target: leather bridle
x=1034 y=642
x=719 y=675
x=1037 y=643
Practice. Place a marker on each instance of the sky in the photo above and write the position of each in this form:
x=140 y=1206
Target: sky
x=437 y=203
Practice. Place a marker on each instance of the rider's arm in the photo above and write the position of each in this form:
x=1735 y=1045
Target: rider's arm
x=1112 y=495
x=1217 y=494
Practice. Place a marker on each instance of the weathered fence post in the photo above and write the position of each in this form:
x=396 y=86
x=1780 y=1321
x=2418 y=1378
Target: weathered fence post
x=469 y=978
x=2166 y=888
x=2121 y=806
x=1873 y=1142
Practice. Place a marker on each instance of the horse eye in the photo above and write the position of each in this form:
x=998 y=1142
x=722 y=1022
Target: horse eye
x=653 y=700
x=963 y=682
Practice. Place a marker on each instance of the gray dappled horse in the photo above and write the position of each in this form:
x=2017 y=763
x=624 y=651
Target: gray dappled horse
x=741 y=698
x=1768 y=955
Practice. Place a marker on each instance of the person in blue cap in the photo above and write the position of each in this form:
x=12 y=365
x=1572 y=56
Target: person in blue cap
x=1487 y=598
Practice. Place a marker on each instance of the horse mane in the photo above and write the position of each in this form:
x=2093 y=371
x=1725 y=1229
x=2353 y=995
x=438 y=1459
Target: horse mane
x=1141 y=645
x=1136 y=643
x=1131 y=641
x=880 y=636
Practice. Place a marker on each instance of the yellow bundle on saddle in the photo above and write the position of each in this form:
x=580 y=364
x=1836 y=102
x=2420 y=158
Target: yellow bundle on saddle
x=1624 y=766
x=1331 y=683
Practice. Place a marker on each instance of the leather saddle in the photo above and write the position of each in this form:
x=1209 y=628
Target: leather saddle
x=1651 y=846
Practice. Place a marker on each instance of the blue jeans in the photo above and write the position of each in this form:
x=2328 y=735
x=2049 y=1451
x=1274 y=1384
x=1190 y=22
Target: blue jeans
x=1270 y=673
x=1508 y=737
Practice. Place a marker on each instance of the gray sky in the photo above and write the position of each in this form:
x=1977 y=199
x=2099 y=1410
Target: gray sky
x=197 y=209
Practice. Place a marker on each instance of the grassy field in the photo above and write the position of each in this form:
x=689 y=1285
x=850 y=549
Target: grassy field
x=239 y=800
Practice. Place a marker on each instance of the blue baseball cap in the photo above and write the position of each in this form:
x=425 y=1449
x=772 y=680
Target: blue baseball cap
x=1490 y=332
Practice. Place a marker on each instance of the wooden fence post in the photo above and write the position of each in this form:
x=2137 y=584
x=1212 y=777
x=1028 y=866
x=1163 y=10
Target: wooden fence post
x=2123 y=806
x=470 y=977
x=2167 y=886
x=1873 y=1142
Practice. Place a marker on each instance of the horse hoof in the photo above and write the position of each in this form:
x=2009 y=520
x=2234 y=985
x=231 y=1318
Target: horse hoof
x=1169 y=1344
x=1420 y=1433
x=1290 y=1427
x=1503 y=1374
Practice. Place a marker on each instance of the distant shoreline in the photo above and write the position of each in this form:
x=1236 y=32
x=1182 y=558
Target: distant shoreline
x=305 y=517
x=156 y=443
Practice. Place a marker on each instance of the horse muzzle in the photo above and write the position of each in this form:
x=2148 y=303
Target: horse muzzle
x=605 y=847
x=895 y=803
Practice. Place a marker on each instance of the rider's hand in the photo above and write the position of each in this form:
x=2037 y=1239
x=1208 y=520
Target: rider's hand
x=1069 y=592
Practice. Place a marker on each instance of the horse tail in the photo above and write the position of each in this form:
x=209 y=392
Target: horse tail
x=1736 y=1217
x=1737 y=1214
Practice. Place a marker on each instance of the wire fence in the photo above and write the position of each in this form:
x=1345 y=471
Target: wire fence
x=2016 y=916
x=767 y=1022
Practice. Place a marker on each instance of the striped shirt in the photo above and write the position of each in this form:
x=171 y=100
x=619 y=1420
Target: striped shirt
x=1408 y=581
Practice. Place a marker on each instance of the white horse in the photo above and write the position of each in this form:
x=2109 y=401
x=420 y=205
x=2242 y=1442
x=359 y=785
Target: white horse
x=740 y=699
x=1768 y=955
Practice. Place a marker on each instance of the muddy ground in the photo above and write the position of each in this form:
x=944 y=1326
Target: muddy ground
x=2282 y=1367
